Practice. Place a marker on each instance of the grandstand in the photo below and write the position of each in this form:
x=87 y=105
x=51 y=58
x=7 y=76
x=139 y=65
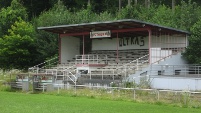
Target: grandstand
x=115 y=52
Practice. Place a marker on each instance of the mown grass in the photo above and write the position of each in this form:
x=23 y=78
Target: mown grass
x=12 y=102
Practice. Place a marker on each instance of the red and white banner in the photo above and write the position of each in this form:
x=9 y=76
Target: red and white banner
x=100 y=34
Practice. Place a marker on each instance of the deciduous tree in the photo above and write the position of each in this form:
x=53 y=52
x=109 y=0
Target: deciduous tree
x=193 y=51
x=18 y=49
x=9 y=15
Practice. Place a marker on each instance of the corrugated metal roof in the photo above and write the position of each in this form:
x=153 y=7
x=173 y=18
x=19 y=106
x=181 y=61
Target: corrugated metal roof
x=110 y=25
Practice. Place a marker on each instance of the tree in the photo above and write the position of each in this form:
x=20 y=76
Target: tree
x=173 y=5
x=193 y=51
x=35 y=7
x=163 y=16
x=11 y=14
x=186 y=15
x=18 y=49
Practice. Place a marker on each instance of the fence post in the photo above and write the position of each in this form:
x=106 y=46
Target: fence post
x=125 y=71
x=75 y=85
x=58 y=89
x=43 y=88
x=158 y=95
x=134 y=93
x=37 y=69
x=90 y=75
x=102 y=74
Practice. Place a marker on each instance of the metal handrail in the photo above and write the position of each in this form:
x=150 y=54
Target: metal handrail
x=37 y=67
x=89 y=57
x=136 y=60
x=176 y=70
x=133 y=67
x=115 y=71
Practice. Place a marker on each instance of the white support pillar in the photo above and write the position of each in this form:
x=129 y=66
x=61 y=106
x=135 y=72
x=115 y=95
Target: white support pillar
x=117 y=58
x=83 y=49
x=149 y=31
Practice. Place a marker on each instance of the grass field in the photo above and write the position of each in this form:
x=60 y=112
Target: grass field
x=11 y=102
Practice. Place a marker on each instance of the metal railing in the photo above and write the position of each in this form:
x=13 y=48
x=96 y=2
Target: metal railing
x=176 y=70
x=90 y=59
x=69 y=74
x=124 y=70
x=159 y=54
x=47 y=64
x=134 y=65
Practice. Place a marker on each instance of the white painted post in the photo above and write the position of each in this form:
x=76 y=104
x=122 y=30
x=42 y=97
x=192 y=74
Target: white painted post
x=37 y=69
x=102 y=74
x=137 y=64
x=113 y=74
x=75 y=84
x=88 y=59
x=125 y=71
x=90 y=75
x=158 y=95
x=58 y=89
x=43 y=88
x=82 y=59
x=134 y=93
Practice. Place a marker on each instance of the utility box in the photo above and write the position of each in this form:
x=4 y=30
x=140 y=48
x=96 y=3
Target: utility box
x=25 y=86
x=50 y=87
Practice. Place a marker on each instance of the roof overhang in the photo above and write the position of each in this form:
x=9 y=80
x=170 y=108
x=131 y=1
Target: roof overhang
x=115 y=26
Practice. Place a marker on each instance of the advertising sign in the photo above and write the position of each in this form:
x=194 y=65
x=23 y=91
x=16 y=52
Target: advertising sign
x=100 y=34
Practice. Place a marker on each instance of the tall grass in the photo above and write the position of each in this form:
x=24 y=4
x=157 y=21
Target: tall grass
x=7 y=76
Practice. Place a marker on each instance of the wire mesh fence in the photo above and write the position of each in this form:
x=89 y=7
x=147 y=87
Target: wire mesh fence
x=183 y=98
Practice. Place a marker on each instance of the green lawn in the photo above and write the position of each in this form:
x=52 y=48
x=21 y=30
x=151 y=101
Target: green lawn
x=42 y=103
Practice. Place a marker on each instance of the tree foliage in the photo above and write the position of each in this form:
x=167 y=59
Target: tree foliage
x=186 y=15
x=18 y=47
x=10 y=14
x=14 y=40
x=193 y=52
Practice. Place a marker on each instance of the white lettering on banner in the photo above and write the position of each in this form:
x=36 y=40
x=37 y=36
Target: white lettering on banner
x=100 y=34
x=126 y=41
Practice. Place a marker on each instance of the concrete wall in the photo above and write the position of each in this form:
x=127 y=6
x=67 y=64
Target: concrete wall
x=164 y=41
x=176 y=59
x=169 y=65
x=70 y=46
x=124 y=43
x=176 y=83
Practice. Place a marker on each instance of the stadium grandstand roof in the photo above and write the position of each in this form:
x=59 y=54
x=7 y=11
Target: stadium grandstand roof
x=111 y=25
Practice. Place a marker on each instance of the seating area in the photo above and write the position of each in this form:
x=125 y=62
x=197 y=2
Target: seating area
x=128 y=62
x=116 y=67
x=120 y=57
